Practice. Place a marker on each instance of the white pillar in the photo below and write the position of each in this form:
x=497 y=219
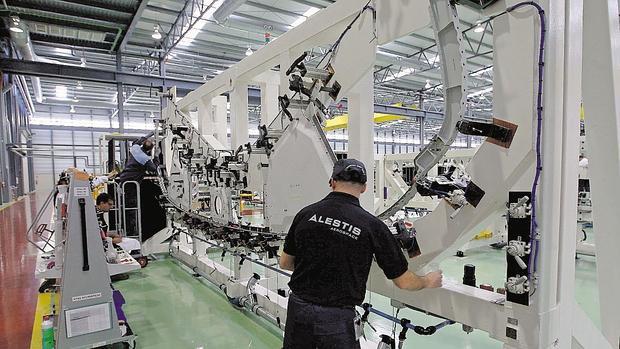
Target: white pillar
x=239 y=115
x=220 y=119
x=285 y=62
x=556 y=205
x=205 y=116
x=380 y=183
x=601 y=98
x=268 y=102
x=361 y=132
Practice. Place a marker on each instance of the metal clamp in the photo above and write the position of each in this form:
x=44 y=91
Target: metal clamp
x=518 y=249
x=518 y=284
x=520 y=209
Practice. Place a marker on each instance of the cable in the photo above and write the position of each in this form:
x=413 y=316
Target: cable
x=532 y=268
x=335 y=45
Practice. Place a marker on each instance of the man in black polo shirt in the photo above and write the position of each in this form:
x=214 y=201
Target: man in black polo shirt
x=330 y=247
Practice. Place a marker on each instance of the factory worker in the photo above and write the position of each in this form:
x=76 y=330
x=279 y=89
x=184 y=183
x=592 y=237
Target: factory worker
x=138 y=163
x=104 y=204
x=139 y=160
x=330 y=248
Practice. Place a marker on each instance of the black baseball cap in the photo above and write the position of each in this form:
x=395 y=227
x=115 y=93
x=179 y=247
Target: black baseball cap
x=349 y=170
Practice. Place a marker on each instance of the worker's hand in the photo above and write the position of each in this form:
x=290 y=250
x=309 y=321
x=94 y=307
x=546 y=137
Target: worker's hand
x=433 y=279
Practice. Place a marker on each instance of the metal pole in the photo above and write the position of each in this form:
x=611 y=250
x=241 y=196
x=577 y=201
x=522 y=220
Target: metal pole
x=120 y=100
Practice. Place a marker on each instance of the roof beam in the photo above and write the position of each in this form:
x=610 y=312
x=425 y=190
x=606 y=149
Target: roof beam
x=60 y=71
x=69 y=41
x=106 y=4
x=79 y=11
x=62 y=19
x=186 y=20
x=162 y=10
x=132 y=25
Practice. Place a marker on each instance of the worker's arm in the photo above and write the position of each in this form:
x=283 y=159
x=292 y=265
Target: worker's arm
x=392 y=261
x=287 y=262
x=412 y=282
x=142 y=158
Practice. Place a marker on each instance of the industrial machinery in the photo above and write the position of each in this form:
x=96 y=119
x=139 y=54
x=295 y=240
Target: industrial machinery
x=526 y=160
x=89 y=312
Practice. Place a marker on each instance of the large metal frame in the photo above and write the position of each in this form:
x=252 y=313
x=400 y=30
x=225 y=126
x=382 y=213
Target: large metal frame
x=550 y=318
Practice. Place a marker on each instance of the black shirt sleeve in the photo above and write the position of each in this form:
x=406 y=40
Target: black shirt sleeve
x=289 y=241
x=389 y=256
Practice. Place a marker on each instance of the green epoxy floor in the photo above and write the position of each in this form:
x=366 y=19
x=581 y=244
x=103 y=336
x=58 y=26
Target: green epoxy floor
x=169 y=308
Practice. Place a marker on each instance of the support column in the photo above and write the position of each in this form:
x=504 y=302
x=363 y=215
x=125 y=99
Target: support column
x=239 y=115
x=556 y=209
x=120 y=100
x=361 y=132
x=380 y=184
x=601 y=99
x=268 y=102
x=4 y=178
x=220 y=119
x=284 y=61
x=205 y=116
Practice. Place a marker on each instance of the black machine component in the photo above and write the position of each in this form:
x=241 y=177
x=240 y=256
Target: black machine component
x=333 y=90
x=284 y=103
x=387 y=342
x=473 y=194
x=296 y=84
x=491 y=130
x=519 y=229
x=469 y=275
x=469 y=279
x=82 y=203
x=476 y=4
x=298 y=64
x=263 y=139
x=407 y=239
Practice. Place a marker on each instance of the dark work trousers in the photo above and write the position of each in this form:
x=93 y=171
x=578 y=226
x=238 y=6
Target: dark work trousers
x=311 y=326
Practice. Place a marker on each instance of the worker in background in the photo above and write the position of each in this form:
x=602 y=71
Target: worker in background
x=138 y=163
x=330 y=248
x=139 y=160
x=104 y=204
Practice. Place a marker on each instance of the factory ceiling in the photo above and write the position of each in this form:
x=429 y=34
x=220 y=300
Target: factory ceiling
x=197 y=39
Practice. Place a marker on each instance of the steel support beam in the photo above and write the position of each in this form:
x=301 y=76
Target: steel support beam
x=120 y=101
x=134 y=21
x=601 y=100
x=52 y=70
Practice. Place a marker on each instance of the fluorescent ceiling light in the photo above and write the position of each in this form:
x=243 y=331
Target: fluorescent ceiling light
x=400 y=74
x=72 y=110
x=79 y=86
x=83 y=62
x=61 y=91
x=249 y=51
x=156 y=34
x=428 y=84
x=479 y=27
x=193 y=32
x=305 y=16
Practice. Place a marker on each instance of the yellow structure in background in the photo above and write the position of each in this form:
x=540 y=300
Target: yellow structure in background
x=341 y=121
x=484 y=235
